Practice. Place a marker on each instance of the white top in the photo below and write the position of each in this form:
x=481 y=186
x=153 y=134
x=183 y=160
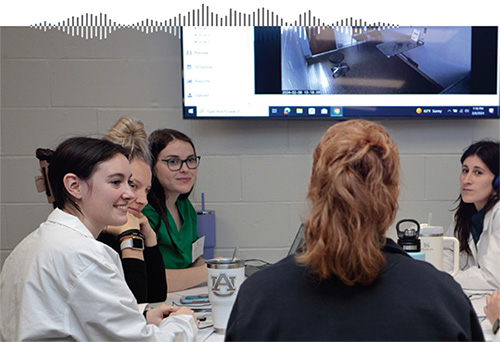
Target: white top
x=61 y=283
x=481 y=270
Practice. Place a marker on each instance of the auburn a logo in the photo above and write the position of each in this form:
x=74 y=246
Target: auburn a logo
x=223 y=286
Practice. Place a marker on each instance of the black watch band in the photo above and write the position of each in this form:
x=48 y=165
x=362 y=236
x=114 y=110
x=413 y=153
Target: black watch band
x=131 y=232
x=495 y=326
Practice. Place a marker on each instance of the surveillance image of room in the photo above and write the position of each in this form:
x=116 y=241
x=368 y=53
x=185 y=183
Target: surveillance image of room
x=376 y=60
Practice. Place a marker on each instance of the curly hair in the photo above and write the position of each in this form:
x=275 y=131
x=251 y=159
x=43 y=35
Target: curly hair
x=353 y=191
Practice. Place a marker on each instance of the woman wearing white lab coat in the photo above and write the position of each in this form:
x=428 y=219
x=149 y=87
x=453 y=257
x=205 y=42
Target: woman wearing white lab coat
x=60 y=283
x=476 y=221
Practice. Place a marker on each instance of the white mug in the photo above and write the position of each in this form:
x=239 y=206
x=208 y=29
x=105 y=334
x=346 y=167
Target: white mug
x=431 y=242
x=225 y=276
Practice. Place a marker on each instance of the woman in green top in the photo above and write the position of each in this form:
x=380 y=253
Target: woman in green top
x=170 y=212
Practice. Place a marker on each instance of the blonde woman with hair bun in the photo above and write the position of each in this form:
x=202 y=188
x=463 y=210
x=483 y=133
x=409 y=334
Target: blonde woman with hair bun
x=136 y=241
x=349 y=282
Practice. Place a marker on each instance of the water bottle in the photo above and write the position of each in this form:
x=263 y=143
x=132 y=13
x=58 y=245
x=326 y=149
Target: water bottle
x=409 y=240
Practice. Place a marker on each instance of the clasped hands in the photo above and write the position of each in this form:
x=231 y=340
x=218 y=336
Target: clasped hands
x=135 y=222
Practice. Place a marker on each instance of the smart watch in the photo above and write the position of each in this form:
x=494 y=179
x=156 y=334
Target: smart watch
x=133 y=242
x=495 y=326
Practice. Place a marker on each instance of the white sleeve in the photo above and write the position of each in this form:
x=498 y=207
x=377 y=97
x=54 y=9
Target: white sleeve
x=102 y=308
x=179 y=328
x=487 y=275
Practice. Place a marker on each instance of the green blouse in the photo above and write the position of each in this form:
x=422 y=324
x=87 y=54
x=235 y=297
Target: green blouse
x=176 y=246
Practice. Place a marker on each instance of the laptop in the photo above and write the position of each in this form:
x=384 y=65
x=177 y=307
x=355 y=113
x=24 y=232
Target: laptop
x=296 y=246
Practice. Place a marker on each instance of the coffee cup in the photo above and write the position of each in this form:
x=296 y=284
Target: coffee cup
x=432 y=240
x=225 y=276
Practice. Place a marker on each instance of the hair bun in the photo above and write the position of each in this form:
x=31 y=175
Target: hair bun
x=44 y=154
x=129 y=133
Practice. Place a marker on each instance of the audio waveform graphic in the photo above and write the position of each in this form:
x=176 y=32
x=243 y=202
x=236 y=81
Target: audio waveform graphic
x=91 y=26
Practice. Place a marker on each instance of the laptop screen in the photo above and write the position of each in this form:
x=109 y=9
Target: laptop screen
x=298 y=242
x=296 y=246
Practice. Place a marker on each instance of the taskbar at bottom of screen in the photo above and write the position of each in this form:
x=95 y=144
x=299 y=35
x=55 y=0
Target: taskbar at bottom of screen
x=491 y=112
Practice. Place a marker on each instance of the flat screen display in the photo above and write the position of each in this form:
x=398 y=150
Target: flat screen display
x=312 y=73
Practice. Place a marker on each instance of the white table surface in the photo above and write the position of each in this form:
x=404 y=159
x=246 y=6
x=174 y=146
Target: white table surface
x=205 y=333
x=478 y=300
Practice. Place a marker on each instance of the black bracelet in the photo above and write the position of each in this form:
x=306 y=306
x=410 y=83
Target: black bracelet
x=131 y=232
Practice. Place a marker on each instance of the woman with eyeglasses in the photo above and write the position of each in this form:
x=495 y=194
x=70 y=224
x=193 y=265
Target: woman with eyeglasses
x=170 y=212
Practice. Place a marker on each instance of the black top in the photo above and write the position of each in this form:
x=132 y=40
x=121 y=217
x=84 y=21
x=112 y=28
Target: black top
x=477 y=225
x=410 y=300
x=145 y=278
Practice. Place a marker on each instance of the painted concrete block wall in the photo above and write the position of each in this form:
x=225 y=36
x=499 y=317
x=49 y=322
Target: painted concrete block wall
x=254 y=174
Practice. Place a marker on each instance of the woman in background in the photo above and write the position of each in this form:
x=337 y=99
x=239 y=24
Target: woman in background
x=350 y=282
x=170 y=212
x=476 y=223
x=142 y=262
x=60 y=283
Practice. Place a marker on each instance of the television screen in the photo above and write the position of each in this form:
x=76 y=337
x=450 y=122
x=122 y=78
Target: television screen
x=340 y=72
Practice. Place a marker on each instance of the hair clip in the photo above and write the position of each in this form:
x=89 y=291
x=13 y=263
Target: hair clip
x=42 y=182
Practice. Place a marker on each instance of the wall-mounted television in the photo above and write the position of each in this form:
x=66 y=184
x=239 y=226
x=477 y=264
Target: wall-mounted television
x=340 y=72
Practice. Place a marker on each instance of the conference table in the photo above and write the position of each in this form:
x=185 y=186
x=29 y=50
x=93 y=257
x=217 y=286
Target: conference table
x=478 y=300
x=206 y=331
x=205 y=328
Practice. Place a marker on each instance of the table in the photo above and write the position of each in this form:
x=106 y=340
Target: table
x=205 y=331
x=478 y=300
x=394 y=48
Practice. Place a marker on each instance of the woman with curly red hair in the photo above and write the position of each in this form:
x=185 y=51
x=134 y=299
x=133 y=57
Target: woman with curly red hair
x=350 y=282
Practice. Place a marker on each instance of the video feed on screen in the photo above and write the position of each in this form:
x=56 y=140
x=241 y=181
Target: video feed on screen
x=335 y=72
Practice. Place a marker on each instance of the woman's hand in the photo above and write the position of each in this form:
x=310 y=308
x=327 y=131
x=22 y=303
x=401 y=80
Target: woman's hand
x=145 y=228
x=132 y=223
x=492 y=308
x=135 y=222
x=182 y=310
x=156 y=315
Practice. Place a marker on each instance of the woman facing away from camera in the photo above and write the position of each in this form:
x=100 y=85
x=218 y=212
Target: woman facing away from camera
x=60 y=283
x=476 y=222
x=351 y=282
x=136 y=241
x=170 y=212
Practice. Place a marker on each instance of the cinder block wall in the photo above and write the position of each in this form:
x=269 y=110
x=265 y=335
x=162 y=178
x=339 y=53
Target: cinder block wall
x=254 y=174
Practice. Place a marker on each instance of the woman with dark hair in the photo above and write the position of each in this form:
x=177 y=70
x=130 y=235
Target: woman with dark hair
x=476 y=222
x=60 y=283
x=350 y=282
x=170 y=212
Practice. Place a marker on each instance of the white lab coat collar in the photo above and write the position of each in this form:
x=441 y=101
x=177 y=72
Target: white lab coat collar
x=63 y=218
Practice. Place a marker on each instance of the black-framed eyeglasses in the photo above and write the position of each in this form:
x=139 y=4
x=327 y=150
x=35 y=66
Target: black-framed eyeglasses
x=175 y=164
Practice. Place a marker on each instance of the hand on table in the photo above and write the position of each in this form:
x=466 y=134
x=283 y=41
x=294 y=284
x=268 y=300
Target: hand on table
x=156 y=315
x=492 y=308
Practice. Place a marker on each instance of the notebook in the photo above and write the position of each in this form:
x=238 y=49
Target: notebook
x=297 y=244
